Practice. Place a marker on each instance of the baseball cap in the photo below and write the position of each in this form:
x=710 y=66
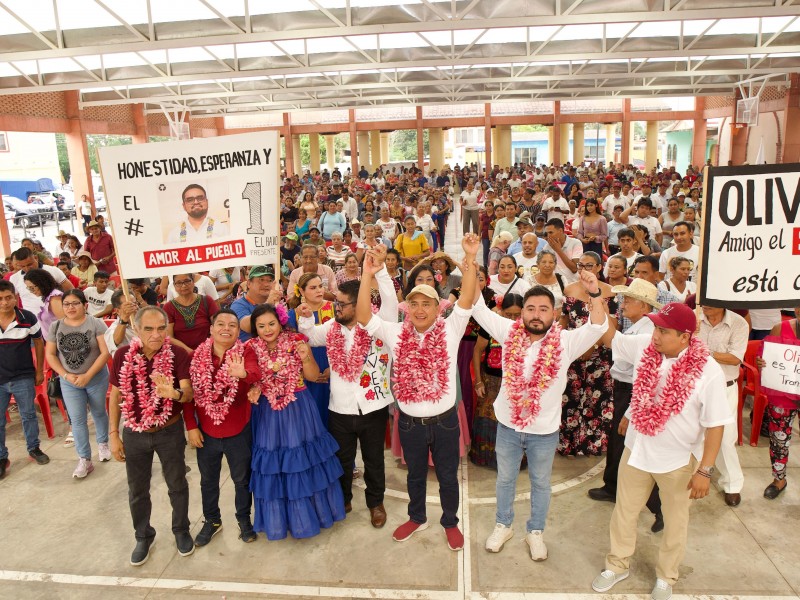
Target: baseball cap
x=425 y=290
x=291 y=236
x=524 y=222
x=675 y=315
x=261 y=271
x=540 y=217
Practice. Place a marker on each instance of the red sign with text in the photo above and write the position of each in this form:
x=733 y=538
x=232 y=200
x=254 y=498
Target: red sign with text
x=194 y=254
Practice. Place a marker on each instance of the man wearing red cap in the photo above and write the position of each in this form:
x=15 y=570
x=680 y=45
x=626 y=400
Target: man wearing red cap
x=676 y=418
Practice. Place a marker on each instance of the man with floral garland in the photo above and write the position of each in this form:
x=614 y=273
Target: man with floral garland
x=676 y=418
x=424 y=376
x=150 y=382
x=537 y=353
x=360 y=394
x=218 y=421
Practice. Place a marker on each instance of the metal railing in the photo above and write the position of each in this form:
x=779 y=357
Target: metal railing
x=45 y=219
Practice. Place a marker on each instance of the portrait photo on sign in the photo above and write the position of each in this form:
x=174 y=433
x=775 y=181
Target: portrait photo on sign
x=194 y=211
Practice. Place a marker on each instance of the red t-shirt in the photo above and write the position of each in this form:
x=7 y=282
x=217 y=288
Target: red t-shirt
x=100 y=249
x=180 y=369
x=201 y=328
x=239 y=413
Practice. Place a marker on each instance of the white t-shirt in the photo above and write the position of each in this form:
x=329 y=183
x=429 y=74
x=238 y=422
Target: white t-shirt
x=425 y=222
x=388 y=228
x=610 y=202
x=549 y=205
x=97 y=301
x=573 y=248
x=652 y=224
x=204 y=234
x=220 y=276
x=693 y=254
x=204 y=286
x=470 y=199
x=764 y=319
x=29 y=301
x=690 y=288
x=520 y=287
x=526 y=267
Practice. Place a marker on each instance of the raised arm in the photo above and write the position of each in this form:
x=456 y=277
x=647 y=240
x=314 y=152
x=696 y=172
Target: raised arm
x=372 y=264
x=470 y=243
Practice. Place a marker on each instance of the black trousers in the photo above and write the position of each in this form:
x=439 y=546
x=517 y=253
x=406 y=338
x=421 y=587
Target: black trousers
x=441 y=440
x=369 y=430
x=237 y=450
x=616 y=445
x=170 y=445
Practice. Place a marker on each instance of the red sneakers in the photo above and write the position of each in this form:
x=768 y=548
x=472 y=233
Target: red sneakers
x=409 y=528
x=455 y=539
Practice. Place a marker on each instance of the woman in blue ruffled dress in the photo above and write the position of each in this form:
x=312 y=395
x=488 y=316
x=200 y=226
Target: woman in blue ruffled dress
x=295 y=479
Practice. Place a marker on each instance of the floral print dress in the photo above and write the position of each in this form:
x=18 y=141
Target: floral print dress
x=587 y=403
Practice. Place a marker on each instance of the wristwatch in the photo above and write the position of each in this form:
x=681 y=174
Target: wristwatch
x=709 y=471
x=597 y=295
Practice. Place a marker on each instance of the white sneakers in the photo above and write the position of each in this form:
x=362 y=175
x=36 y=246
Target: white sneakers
x=535 y=541
x=500 y=535
x=661 y=591
x=84 y=467
x=104 y=452
x=608 y=579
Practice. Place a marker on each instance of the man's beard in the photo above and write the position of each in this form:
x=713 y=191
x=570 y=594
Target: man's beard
x=537 y=330
x=199 y=213
x=341 y=320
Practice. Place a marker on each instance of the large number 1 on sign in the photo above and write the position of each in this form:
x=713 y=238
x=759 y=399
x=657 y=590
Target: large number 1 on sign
x=252 y=193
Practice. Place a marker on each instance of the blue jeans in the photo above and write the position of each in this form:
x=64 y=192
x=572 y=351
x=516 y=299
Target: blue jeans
x=485 y=251
x=540 y=450
x=76 y=400
x=24 y=393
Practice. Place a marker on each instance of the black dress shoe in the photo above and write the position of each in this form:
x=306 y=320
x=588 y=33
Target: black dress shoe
x=601 y=494
x=141 y=552
x=658 y=524
x=185 y=543
x=773 y=491
x=4 y=465
x=733 y=499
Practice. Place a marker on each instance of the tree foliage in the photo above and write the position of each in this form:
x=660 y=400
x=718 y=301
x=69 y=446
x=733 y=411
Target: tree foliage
x=93 y=142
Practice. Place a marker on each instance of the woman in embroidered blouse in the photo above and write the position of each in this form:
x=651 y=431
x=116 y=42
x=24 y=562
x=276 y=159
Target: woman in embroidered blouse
x=295 y=471
x=310 y=290
x=189 y=314
x=350 y=271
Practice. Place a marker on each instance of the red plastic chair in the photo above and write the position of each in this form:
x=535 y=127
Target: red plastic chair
x=750 y=385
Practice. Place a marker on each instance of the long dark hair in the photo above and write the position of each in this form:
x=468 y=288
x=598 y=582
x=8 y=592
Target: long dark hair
x=42 y=280
x=262 y=309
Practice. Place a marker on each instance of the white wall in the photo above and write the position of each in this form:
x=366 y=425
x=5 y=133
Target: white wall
x=766 y=130
x=30 y=156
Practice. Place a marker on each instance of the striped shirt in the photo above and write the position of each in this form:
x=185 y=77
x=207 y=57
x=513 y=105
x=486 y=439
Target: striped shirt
x=16 y=359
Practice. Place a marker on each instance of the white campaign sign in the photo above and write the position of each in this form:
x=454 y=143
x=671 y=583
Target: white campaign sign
x=751 y=254
x=194 y=205
x=782 y=370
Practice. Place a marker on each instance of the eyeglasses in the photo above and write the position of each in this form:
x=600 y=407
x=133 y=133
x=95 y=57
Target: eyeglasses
x=71 y=304
x=184 y=282
x=585 y=266
x=337 y=304
x=190 y=199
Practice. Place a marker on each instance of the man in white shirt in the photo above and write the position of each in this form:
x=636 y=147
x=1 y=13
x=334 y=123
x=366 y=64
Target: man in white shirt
x=613 y=200
x=638 y=299
x=661 y=197
x=469 y=209
x=24 y=261
x=566 y=249
x=556 y=206
x=726 y=335
x=527 y=259
x=682 y=236
x=120 y=332
x=358 y=413
x=349 y=205
x=523 y=428
x=643 y=217
x=197 y=228
x=664 y=443
x=428 y=419
x=98 y=296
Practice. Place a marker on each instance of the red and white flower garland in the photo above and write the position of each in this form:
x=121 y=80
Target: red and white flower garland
x=214 y=394
x=525 y=395
x=422 y=364
x=156 y=411
x=650 y=417
x=347 y=365
x=280 y=369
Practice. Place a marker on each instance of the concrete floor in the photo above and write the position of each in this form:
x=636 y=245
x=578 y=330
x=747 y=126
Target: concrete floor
x=64 y=538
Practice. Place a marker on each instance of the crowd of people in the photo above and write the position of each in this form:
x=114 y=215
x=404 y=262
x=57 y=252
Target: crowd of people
x=564 y=324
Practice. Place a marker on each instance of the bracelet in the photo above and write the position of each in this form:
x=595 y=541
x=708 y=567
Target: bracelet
x=597 y=295
x=115 y=431
x=126 y=323
x=180 y=394
x=702 y=473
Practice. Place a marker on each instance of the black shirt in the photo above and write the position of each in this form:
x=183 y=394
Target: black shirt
x=16 y=359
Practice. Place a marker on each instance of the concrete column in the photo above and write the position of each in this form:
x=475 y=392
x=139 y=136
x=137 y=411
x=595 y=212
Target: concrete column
x=611 y=142
x=495 y=149
x=627 y=133
x=363 y=150
x=385 y=147
x=298 y=161
x=77 y=150
x=140 y=120
x=420 y=142
x=504 y=157
x=436 y=142
x=487 y=136
x=578 y=136
x=551 y=140
x=651 y=149
x=791 y=123
x=351 y=120
x=563 y=156
x=313 y=146
x=375 y=149
x=330 y=151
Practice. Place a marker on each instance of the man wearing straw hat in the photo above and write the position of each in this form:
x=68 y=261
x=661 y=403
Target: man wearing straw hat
x=100 y=246
x=638 y=299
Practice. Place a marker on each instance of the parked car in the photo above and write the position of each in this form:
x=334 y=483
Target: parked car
x=25 y=214
x=64 y=201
